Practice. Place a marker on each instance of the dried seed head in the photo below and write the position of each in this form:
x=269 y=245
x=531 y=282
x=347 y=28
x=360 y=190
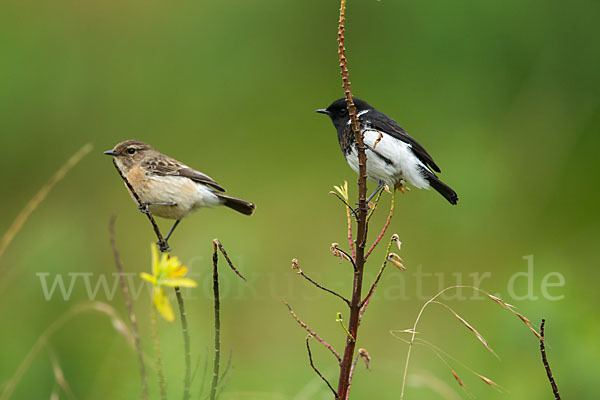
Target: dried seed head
x=528 y=323
x=396 y=238
x=295 y=266
x=409 y=331
x=501 y=302
x=469 y=327
x=120 y=327
x=460 y=381
x=489 y=381
x=396 y=260
x=364 y=354
x=338 y=253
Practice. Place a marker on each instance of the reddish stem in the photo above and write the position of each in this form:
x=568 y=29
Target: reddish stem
x=387 y=223
x=313 y=333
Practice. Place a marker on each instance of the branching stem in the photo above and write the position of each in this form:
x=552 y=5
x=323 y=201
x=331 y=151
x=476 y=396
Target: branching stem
x=313 y=333
x=361 y=220
x=345 y=300
x=312 y=364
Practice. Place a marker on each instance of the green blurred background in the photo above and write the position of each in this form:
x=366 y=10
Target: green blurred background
x=503 y=94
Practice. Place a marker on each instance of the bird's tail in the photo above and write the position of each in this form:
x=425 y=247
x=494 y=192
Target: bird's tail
x=441 y=187
x=239 y=205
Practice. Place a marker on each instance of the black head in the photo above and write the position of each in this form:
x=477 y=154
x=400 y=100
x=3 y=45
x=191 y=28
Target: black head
x=338 y=112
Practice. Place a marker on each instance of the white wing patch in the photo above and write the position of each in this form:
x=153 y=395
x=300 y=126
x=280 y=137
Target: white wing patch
x=363 y=112
x=405 y=165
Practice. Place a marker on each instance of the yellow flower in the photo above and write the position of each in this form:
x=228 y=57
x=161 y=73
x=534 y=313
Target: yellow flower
x=167 y=271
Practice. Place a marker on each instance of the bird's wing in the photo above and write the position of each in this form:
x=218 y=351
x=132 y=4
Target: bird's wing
x=385 y=124
x=169 y=166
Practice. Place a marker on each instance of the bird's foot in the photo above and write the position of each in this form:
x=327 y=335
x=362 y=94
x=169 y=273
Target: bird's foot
x=163 y=247
x=402 y=188
x=357 y=209
x=144 y=209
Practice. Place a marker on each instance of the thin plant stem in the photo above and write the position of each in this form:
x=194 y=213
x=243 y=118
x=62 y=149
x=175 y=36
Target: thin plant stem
x=432 y=300
x=350 y=239
x=216 y=380
x=22 y=217
x=227 y=366
x=351 y=374
x=312 y=364
x=546 y=364
x=217 y=303
x=345 y=300
x=375 y=204
x=58 y=323
x=187 y=379
x=129 y=305
x=162 y=384
x=313 y=333
x=222 y=249
x=387 y=223
x=367 y=298
x=348 y=207
x=204 y=372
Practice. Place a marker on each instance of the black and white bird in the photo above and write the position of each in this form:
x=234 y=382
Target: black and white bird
x=393 y=157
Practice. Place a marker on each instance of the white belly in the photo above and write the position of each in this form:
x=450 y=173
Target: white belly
x=406 y=166
x=188 y=196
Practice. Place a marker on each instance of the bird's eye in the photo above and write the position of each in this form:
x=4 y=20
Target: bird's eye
x=131 y=150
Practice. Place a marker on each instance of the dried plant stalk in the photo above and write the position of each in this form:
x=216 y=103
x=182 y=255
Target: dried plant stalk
x=17 y=224
x=433 y=300
x=58 y=323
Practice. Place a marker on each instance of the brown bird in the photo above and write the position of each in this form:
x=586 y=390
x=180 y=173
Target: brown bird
x=169 y=188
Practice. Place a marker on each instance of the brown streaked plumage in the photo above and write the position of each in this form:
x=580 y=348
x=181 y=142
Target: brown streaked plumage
x=170 y=188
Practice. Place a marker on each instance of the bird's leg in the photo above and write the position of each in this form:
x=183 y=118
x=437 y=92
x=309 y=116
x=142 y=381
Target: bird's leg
x=145 y=210
x=172 y=229
x=381 y=185
x=164 y=246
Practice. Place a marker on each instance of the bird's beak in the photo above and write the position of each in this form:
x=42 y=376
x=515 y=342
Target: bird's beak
x=110 y=153
x=322 y=111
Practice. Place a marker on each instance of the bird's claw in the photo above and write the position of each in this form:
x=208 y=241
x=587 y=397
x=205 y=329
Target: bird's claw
x=163 y=247
x=144 y=209
x=402 y=188
x=357 y=209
